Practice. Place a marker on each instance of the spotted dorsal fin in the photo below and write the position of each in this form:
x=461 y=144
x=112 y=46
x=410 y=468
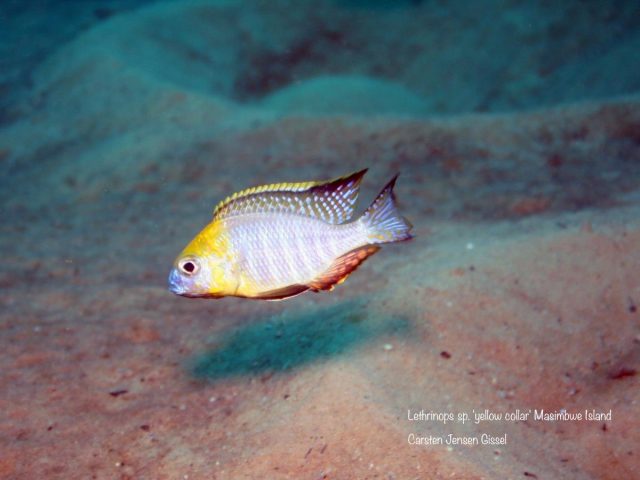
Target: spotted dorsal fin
x=342 y=267
x=331 y=201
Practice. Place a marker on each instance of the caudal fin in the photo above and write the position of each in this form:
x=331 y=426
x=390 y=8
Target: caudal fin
x=382 y=219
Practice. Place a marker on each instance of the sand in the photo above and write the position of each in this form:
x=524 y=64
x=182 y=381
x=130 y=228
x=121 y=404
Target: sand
x=519 y=293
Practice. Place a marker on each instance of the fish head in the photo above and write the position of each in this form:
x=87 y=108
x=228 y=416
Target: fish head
x=203 y=268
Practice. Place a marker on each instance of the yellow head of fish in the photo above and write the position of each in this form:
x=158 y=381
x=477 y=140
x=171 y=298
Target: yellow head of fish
x=204 y=267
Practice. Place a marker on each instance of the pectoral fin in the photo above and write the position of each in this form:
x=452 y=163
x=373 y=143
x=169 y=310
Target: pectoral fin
x=282 y=293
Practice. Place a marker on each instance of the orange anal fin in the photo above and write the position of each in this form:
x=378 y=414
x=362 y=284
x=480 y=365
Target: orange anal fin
x=282 y=293
x=342 y=267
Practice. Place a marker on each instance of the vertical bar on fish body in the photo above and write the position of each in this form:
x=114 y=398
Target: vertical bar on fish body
x=276 y=250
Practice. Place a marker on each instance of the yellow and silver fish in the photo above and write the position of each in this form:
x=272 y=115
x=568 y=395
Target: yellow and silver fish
x=277 y=241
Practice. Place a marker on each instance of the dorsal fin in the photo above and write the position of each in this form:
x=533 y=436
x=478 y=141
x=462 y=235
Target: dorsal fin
x=331 y=201
x=342 y=267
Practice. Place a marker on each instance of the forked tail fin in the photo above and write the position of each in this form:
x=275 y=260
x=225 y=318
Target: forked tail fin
x=382 y=219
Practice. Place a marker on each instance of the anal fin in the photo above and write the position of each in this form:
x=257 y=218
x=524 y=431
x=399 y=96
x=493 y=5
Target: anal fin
x=342 y=267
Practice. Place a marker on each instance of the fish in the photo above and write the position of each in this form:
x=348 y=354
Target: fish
x=277 y=241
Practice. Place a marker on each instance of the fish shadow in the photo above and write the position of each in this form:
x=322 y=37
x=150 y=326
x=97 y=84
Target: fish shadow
x=292 y=339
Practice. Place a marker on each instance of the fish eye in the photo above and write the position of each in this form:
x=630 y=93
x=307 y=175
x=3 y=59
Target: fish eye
x=188 y=266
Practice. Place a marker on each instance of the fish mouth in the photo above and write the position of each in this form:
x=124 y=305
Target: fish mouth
x=182 y=286
x=176 y=283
